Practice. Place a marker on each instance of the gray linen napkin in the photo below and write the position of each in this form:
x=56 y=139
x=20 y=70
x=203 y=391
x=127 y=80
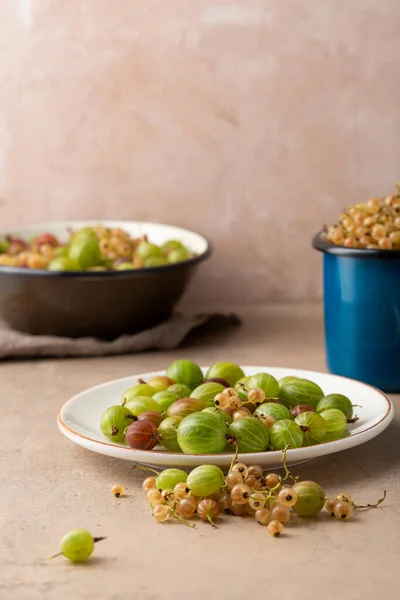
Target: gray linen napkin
x=166 y=336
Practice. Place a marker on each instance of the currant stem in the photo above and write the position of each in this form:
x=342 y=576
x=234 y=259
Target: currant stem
x=209 y=519
x=140 y=468
x=287 y=472
x=54 y=556
x=266 y=493
x=244 y=402
x=234 y=459
x=370 y=505
x=178 y=518
x=273 y=490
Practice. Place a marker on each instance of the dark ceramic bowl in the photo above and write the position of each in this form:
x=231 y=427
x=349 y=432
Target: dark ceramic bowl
x=99 y=304
x=362 y=313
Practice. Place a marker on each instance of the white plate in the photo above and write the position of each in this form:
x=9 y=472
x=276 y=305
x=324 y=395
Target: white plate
x=79 y=421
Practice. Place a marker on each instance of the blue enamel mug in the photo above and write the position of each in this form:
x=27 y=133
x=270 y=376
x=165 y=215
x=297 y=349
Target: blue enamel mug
x=362 y=313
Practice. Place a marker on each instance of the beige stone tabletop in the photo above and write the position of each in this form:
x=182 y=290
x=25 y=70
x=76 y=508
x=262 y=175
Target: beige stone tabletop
x=49 y=485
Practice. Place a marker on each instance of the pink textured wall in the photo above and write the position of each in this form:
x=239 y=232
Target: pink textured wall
x=252 y=122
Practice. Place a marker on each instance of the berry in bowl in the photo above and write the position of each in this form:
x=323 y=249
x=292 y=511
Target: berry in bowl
x=85 y=278
x=98 y=248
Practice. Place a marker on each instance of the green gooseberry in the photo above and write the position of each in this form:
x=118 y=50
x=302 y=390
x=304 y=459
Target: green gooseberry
x=160 y=382
x=176 y=256
x=186 y=372
x=125 y=266
x=250 y=434
x=180 y=390
x=63 y=263
x=60 y=251
x=202 y=433
x=167 y=247
x=286 y=433
x=84 y=248
x=147 y=249
x=167 y=433
x=140 y=389
x=226 y=417
x=228 y=371
x=4 y=245
x=336 y=401
x=164 y=399
x=154 y=261
x=106 y=262
x=114 y=421
x=169 y=478
x=141 y=404
x=310 y=498
x=274 y=410
x=77 y=545
x=207 y=392
x=265 y=382
x=296 y=390
x=313 y=427
x=205 y=480
x=335 y=422
x=287 y=379
x=242 y=384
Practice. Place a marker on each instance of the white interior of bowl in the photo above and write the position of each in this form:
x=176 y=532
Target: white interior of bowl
x=156 y=232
